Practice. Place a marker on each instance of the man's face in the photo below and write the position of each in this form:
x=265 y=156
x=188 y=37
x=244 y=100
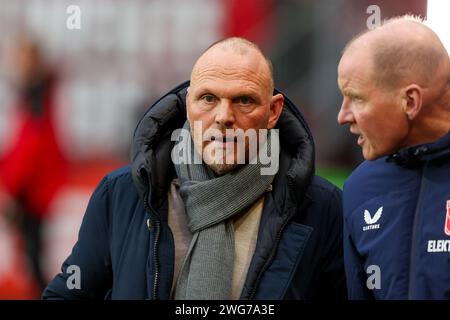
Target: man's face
x=374 y=114
x=229 y=91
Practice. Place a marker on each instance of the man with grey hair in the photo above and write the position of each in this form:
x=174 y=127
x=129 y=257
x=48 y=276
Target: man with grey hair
x=213 y=223
x=395 y=82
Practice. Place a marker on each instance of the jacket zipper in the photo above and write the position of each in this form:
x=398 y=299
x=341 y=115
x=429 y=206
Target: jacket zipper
x=412 y=266
x=272 y=253
x=156 y=260
x=268 y=261
x=155 y=250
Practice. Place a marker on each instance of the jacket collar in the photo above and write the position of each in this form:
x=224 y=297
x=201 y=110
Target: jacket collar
x=152 y=168
x=416 y=155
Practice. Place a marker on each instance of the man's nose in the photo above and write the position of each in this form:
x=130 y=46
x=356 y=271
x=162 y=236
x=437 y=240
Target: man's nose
x=345 y=115
x=225 y=114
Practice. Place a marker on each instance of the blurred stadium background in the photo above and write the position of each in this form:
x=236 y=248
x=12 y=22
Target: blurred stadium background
x=128 y=53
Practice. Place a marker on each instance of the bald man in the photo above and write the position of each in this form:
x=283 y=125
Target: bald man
x=220 y=200
x=395 y=82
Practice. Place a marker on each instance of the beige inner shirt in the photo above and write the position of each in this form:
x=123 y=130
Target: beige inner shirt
x=246 y=227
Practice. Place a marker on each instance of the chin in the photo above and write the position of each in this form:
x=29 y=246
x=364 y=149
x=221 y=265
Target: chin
x=221 y=169
x=371 y=156
x=368 y=155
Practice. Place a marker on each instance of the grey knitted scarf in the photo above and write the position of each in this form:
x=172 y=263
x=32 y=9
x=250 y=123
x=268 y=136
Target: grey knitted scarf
x=210 y=203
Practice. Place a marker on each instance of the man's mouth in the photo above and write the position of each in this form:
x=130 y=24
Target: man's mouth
x=225 y=139
x=361 y=140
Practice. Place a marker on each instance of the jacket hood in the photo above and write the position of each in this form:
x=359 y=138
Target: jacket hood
x=151 y=164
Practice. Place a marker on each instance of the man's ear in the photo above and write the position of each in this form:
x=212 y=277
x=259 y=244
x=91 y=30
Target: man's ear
x=412 y=100
x=187 y=104
x=276 y=106
x=187 y=93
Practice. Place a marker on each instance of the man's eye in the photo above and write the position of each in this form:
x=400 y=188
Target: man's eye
x=355 y=98
x=208 y=98
x=245 y=100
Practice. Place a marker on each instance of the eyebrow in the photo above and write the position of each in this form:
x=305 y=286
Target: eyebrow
x=350 y=93
x=247 y=93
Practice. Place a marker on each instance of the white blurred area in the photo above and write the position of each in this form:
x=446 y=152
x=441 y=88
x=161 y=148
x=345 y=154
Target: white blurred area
x=438 y=12
x=124 y=56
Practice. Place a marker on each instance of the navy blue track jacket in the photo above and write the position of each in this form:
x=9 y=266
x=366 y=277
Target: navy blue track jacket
x=397 y=225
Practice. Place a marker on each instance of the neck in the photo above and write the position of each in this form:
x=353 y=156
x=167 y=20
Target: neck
x=430 y=128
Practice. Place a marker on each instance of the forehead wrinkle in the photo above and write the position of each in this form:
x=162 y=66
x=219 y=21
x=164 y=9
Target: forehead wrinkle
x=231 y=73
x=222 y=62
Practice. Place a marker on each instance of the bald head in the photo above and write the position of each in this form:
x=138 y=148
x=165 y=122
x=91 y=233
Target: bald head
x=242 y=49
x=404 y=50
x=395 y=85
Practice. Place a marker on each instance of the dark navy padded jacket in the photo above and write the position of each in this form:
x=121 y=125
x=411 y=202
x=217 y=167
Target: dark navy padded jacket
x=125 y=247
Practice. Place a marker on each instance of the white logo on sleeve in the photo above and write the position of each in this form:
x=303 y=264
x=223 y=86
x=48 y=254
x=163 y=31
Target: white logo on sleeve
x=371 y=222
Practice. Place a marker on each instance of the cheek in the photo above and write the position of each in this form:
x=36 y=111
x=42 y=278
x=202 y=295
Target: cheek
x=389 y=134
x=196 y=115
x=191 y=112
x=399 y=130
x=363 y=121
x=372 y=124
x=257 y=120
